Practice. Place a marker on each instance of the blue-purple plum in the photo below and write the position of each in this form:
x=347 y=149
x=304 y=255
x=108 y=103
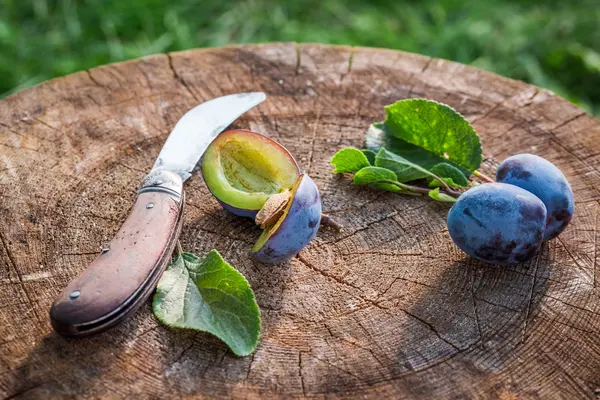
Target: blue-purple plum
x=498 y=223
x=297 y=226
x=242 y=169
x=542 y=178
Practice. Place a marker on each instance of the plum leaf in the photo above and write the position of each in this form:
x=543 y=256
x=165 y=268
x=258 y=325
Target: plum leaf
x=437 y=195
x=374 y=174
x=430 y=127
x=377 y=137
x=433 y=183
x=370 y=154
x=405 y=170
x=449 y=174
x=207 y=294
x=380 y=178
x=349 y=159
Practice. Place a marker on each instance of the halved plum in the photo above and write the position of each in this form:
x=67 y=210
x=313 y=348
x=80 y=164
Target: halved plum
x=295 y=228
x=243 y=169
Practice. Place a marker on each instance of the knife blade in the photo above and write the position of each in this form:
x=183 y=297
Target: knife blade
x=127 y=270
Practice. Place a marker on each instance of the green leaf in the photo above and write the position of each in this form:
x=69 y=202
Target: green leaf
x=433 y=183
x=405 y=170
x=430 y=126
x=349 y=160
x=370 y=154
x=378 y=137
x=373 y=174
x=449 y=174
x=381 y=178
x=209 y=295
x=437 y=128
x=436 y=195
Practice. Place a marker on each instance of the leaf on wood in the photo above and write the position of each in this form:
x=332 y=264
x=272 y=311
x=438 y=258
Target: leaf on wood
x=377 y=137
x=425 y=128
x=439 y=196
x=405 y=170
x=370 y=154
x=449 y=174
x=349 y=159
x=207 y=294
x=380 y=178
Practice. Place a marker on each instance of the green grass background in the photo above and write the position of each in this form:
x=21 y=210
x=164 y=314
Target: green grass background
x=552 y=44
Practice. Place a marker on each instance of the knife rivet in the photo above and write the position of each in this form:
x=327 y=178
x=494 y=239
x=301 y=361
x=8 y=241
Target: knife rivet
x=149 y=205
x=159 y=182
x=74 y=294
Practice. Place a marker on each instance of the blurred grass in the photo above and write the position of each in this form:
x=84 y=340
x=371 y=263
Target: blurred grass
x=551 y=44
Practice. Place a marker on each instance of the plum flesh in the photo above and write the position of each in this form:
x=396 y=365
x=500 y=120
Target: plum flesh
x=242 y=169
x=295 y=228
x=542 y=178
x=498 y=223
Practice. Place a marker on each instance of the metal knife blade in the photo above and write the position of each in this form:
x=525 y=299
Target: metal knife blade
x=197 y=129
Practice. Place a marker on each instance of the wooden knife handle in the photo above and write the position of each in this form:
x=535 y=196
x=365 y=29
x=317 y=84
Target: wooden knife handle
x=127 y=270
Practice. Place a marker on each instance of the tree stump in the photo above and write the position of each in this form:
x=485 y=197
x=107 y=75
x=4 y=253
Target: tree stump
x=389 y=308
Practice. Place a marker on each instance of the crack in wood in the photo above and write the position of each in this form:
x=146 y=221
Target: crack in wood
x=426 y=66
x=300 y=373
x=399 y=278
x=143 y=333
x=23 y=391
x=530 y=301
x=595 y=263
x=20 y=277
x=572 y=305
x=374 y=340
x=250 y=365
x=364 y=228
x=431 y=328
x=148 y=82
x=298 y=59
x=572 y=257
x=328 y=275
x=586 y=331
x=358 y=346
x=583 y=391
x=94 y=80
x=314 y=136
x=568 y=121
x=182 y=353
x=349 y=67
x=180 y=79
x=497 y=305
x=329 y=363
x=49 y=126
x=475 y=309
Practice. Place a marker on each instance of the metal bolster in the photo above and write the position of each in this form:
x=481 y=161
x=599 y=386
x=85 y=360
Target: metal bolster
x=161 y=180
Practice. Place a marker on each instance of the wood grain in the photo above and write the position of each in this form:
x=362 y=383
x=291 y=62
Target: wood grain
x=389 y=308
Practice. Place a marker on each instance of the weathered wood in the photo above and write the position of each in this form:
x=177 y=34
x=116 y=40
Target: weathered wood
x=387 y=308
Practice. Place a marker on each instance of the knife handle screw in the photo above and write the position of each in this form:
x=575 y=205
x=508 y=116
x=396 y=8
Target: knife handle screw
x=149 y=205
x=74 y=294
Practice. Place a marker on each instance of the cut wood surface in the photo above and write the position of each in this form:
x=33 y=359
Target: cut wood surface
x=389 y=308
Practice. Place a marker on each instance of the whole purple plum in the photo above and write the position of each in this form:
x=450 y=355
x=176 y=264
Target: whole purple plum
x=498 y=223
x=542 y=178
x=295 y=228
x=242 y=169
